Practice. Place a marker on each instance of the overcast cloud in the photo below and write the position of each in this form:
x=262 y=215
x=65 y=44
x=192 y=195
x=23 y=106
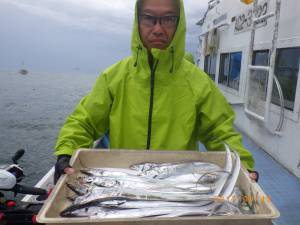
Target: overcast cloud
x=62 y=35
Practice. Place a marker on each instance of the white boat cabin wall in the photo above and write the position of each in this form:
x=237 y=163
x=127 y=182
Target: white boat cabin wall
x=262 y=85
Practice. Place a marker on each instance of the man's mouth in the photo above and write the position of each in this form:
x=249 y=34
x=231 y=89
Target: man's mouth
x=157 y=41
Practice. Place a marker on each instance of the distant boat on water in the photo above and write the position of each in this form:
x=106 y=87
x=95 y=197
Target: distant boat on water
x=23 y=72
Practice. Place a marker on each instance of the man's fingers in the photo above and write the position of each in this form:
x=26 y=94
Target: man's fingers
x=69 y=171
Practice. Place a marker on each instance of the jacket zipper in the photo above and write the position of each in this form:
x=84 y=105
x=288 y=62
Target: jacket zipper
x=152 y=79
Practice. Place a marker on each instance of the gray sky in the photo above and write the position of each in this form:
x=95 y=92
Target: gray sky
x=61 y=35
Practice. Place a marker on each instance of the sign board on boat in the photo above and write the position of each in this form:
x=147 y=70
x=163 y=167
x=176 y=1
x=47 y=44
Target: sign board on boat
x=243 y=22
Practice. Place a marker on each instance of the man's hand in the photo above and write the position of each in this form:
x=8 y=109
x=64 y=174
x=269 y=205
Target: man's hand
x=62 y=166
x=69 y=171
x=254 y=175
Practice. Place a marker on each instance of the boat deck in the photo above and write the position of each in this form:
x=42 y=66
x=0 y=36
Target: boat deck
x=277 y=182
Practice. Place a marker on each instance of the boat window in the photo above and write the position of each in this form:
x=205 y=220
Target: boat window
x=286 y=70
x=210 y=66
x=230 y=69
x=224 y=69
x=235 y=70
x=261 y=58
x=206 y=64
x=260 y=78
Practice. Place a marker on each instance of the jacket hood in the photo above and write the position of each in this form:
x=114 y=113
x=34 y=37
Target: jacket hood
x=169 y=59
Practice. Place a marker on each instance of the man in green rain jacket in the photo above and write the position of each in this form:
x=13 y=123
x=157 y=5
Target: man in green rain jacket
x=154 y=99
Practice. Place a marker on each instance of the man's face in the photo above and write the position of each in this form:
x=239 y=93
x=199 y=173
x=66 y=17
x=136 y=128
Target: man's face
x=157 y=23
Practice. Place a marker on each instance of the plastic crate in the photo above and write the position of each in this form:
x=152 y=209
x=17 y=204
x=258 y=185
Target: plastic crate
x=265 y=211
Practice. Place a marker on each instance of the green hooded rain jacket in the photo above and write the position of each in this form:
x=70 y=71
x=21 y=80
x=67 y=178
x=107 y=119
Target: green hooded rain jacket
x=170 y=106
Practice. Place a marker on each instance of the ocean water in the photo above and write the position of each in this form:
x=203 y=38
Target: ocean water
x=33 y=108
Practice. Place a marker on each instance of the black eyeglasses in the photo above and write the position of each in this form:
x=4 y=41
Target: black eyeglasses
x=164 y=21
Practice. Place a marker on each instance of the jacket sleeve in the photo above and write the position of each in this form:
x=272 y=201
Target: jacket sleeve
x=88 y=122
x=216 y=119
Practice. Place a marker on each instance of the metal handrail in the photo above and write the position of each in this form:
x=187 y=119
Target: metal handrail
x=281 y=97
x=260 y=68
x=272 y=78
x=252 y=114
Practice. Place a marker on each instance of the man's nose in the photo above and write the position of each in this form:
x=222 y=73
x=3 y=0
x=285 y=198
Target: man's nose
x=157 y=29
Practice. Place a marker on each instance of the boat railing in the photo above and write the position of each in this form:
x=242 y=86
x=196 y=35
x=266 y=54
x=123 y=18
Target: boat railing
x=281 y=97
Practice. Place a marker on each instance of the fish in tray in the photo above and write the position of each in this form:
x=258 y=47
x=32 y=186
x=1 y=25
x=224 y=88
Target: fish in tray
x=95 y=211
x=196 y=185
x=165 y=170
x=154 y=190
x=99 y=193
x=155 y=171
x=112 y=209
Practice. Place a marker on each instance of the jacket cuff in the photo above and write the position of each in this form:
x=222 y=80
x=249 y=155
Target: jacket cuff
x=64 y=151
x=246 y=166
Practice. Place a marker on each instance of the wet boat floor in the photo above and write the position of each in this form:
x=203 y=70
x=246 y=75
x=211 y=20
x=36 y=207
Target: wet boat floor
x=278 y=183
